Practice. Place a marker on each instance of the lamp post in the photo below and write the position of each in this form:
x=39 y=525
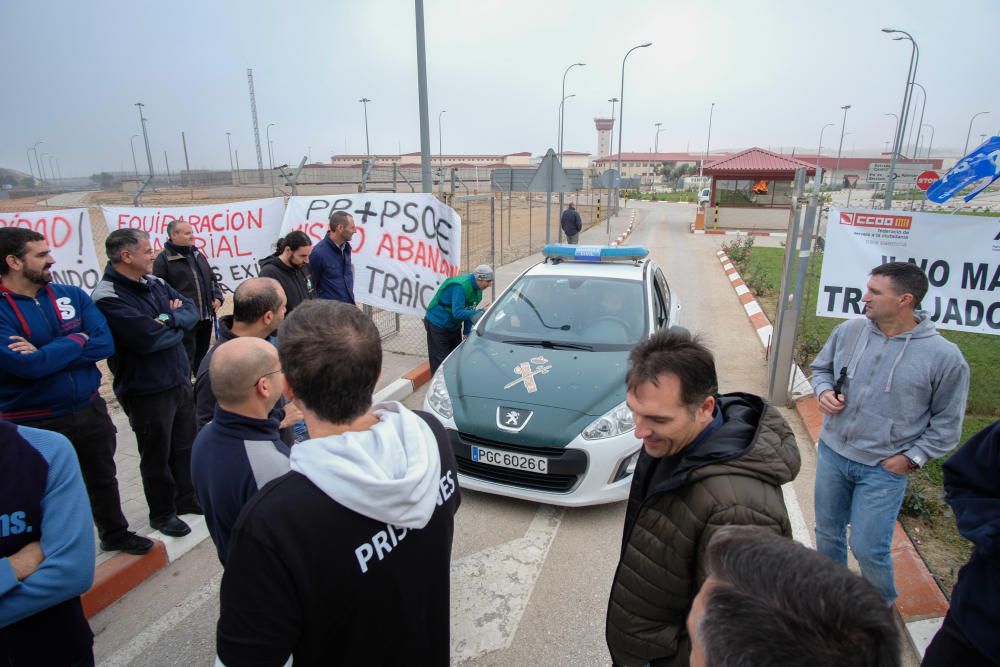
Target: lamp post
x=621 y=110
x=135 y=165
x=656 y=144
x=708 y=144
x=42 y=163
x=923 y=106
x=965 y=151
x=901 y=125
x=440 y=151
x=840 y=147
x=931 y=144
x=820 y=149
x=229 y=144
x=368 y=150
x=270 y=155
x=41 y=172
x=31 y=167
x=562 y=108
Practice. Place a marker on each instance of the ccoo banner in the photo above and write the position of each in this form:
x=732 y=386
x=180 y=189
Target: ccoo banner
x=70 y=240
x=960 y=254
x=233 y=236
x=406 y=244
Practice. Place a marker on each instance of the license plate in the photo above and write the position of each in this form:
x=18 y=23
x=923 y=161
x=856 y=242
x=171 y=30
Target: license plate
x=495 y=457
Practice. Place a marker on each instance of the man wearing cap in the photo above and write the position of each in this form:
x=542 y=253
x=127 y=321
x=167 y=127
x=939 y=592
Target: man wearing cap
x=571 y=224
x=452 y=312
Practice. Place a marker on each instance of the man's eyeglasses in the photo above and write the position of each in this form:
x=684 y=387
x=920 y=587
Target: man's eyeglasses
x=265 y=375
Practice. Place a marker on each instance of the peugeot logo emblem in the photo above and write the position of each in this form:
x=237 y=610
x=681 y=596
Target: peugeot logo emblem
x=512 y=419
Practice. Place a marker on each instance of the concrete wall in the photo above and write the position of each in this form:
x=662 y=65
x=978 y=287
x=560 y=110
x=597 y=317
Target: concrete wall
x=765 y=219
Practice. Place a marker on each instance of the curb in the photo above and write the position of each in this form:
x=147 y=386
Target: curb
x=628 y=231
x=921 y=604
x=121 y=573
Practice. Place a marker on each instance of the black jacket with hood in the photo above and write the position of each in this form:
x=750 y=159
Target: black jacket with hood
x=297 y=283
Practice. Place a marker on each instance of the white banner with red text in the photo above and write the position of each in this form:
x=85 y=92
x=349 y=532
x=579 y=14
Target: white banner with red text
x=70 y=241
x=959 y=253
x=234 y=236
x=405 y=244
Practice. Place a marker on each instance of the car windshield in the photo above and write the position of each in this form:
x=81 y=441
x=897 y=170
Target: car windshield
x=578 y=312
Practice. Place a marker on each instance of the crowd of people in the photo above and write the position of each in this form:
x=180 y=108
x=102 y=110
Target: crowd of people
x=312 y=493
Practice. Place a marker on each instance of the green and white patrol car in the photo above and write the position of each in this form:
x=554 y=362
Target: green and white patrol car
x=534 y=398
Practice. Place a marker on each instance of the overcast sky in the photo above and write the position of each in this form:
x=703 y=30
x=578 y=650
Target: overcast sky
x=777 y=71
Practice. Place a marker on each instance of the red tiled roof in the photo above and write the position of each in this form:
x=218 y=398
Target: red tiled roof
x=756 y=161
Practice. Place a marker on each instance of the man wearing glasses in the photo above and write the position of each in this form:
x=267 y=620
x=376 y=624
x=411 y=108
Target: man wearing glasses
x=240 y=450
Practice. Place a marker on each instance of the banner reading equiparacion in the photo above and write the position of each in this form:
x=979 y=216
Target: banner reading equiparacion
x=959 y=253
x=406 y=244
x=70 y=240
x=233 y=236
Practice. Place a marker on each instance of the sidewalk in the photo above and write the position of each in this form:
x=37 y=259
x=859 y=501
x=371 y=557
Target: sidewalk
x=404 y=369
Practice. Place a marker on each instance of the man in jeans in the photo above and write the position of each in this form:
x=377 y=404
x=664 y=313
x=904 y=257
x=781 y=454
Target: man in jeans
x=148 y=319
x=893 y=394
x=51 y=338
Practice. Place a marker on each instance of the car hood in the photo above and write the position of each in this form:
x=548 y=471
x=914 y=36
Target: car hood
x=571 y=388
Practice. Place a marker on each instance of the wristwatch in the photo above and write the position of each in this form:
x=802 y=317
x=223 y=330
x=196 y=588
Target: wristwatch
x=163 y=317
x=913 y=463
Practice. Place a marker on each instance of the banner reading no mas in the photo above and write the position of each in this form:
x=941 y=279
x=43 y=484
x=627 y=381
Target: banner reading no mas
x=960 y=255
x=406 y=244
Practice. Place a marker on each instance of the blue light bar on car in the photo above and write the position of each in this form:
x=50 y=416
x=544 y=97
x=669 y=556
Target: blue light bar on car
x=565 y=252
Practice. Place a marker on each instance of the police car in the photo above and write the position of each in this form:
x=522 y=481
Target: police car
x=534 y=398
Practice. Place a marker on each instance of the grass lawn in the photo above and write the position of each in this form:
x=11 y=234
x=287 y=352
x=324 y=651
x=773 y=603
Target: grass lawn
x=683 y=195
x=927 y=517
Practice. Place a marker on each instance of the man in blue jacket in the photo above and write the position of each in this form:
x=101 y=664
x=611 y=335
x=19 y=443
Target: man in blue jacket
x=452 y=312
x=892 y=392
x=51 y=337
x=152 y=374
x=330 y=260
x=46 y=550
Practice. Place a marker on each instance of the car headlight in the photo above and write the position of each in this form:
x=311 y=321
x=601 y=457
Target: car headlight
x=437 y=395
x=613 y=422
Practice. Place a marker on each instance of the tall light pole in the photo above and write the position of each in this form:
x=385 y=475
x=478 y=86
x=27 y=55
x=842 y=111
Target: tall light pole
x=923 y=106
x=562 y=108
x=270 y=156
x=41 y=173
x=229 y=144
x=840 y=147
x=440 y=141
x=931 y=144
x=708 y=144
x=368 y=151
x=45 y=155
x=621 y=110
x=31 y=167
x=145 y=138
x=820 y=149
x=135 y=165
x=965 y=151
x=656 y=144
x=897 y=145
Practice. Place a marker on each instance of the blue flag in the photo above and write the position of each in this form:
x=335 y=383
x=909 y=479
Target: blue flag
x=982 y=164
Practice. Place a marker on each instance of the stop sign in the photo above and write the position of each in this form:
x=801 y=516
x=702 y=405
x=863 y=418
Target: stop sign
x=926 y=179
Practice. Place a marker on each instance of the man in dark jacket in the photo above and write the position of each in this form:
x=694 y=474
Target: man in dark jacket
x=186 y=269
x=330 y=260
x=365 y=518
x=46 y=551
x=240 y=450
x=571 y=224
x=53 y=335
x=969 y=635
x=289 y=265
x=707 y=461
x=152 y=375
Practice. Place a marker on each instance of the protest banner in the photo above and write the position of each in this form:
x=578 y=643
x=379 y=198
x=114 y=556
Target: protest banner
x=406 y=244
x=960 y=254
x=70 y=240
x=233 y=236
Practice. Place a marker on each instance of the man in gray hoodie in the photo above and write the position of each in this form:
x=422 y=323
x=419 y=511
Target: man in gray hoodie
x=892 y=392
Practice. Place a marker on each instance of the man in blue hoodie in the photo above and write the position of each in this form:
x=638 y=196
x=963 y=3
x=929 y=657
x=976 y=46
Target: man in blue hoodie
x=452 y=312
x=892 y=392
x=148 y=319
x=51 y=337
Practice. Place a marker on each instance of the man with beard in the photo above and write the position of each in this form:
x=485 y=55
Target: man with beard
x=186 y=269
x=51 y=338
x=289 y=265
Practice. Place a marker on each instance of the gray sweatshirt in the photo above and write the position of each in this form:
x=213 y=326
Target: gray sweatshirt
x=902 y=395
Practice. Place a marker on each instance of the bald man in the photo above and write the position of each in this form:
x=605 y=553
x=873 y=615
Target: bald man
x=240 y=450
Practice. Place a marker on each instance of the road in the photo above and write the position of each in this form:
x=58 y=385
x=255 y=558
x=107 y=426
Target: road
x=530 y=583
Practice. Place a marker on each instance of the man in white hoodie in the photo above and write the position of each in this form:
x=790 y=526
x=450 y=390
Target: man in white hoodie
x=346 y=559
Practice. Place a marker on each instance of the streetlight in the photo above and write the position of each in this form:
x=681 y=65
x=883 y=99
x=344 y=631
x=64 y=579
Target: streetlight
x=440 y=150
x=656 y=144
x=41 y=173
x=923 y=106
x=31 y=167
x=270 y=155
x=843 y=126
x=621 y=109
x=562 y=107
x=931 y=144
x=965 y=151
x=229 y=143
x=42 y=163
x=897 y=145
x=368 y=150
x=708 y=144
x=135 y=165
x=820 y=149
